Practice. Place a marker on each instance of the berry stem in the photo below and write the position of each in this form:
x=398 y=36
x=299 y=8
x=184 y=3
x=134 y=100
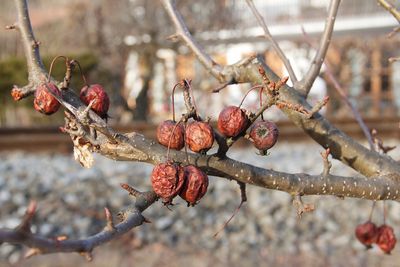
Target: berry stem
x=74 y=61
x=173 y=101
x=52 y=63
x=261 y=104
x=187 y=84
x=170 y=137
x=372 y=210
x=384 y=212
x=251 y=89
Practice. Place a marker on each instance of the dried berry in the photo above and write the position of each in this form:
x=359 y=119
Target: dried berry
x=366 y=233
x=232 y=121
x=195 y=186
x=44 y=101
x=164 y=132
x=97 y=93
x=167 y=180
x=264 y=135
x=386 y=239
x=199 y=136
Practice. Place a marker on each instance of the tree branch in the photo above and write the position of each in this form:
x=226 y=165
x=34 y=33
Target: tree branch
x=132 y=217
x=389 y=7
x=307 y=81
x=342 y=147
x=31 y=49
x=183 y=32
x=274 y=44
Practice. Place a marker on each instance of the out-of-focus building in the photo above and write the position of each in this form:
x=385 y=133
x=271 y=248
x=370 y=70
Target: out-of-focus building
x=359 y=56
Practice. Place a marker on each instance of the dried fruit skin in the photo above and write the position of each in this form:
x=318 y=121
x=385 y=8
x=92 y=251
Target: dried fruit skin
x=44 y=101
x=199 y=136
x=164 y=132
x=232 y=121
x=264 y=134
x=167 y=180
x=386 y=239
x=367 y=233
x=195 y=186
x=97 y=93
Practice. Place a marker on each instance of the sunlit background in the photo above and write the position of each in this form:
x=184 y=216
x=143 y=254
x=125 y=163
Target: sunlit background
x=126 y=46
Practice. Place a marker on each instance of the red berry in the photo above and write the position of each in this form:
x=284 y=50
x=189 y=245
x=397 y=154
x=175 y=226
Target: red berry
x=199 y=136
x=164 y=132
x=367 y=233
x=44 y=101
x=167 y=180
x=264 y=135
x=232 y=121
x=195 y=186
x=386 y=239
x=97 y=93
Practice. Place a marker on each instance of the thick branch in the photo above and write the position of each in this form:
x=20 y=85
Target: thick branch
x=384 y=187
x=342 y=147
x=274 y=44
x=305 y=84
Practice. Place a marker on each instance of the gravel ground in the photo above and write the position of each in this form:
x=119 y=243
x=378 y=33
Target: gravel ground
x=266 y=231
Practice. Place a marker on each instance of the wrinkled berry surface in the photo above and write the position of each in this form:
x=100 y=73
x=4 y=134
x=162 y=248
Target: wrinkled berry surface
x=386 y=239
x=97 y=93
x=199 y=136
x=264 y=134
x=167 y=180
x=44 y=101
x=165 y=136
x=232 y=121
x=366 y=233
x=195 y=186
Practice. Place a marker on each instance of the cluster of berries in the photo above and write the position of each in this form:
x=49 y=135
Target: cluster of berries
x=45 y=102
x=171 y=179
x=368 y=234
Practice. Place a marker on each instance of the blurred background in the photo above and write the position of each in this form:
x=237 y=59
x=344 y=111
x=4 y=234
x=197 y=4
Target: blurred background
x=123 y=46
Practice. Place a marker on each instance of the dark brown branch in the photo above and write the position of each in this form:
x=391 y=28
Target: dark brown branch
x=274 y=44
x=307 y=81
x=342 y=146
x=43 y=245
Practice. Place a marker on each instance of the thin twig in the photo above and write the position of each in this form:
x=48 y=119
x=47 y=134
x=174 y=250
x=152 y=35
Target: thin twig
x=345 y=98
x=274 y=44
x=389 y=7
x=307 y=81
x=184 y=33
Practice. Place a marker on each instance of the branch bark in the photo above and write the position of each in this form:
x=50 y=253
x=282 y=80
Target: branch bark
x=132 y=217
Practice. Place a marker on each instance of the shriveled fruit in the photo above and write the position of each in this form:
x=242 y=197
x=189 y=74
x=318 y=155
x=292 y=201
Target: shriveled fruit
x=44 y=101
x=232 y=121
x=264 y=135
x=195 y=186
x=367 y=233
x=97 y=93
x=386 y=239
x=199 y=136
x=167 y=180
x=172 y=134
